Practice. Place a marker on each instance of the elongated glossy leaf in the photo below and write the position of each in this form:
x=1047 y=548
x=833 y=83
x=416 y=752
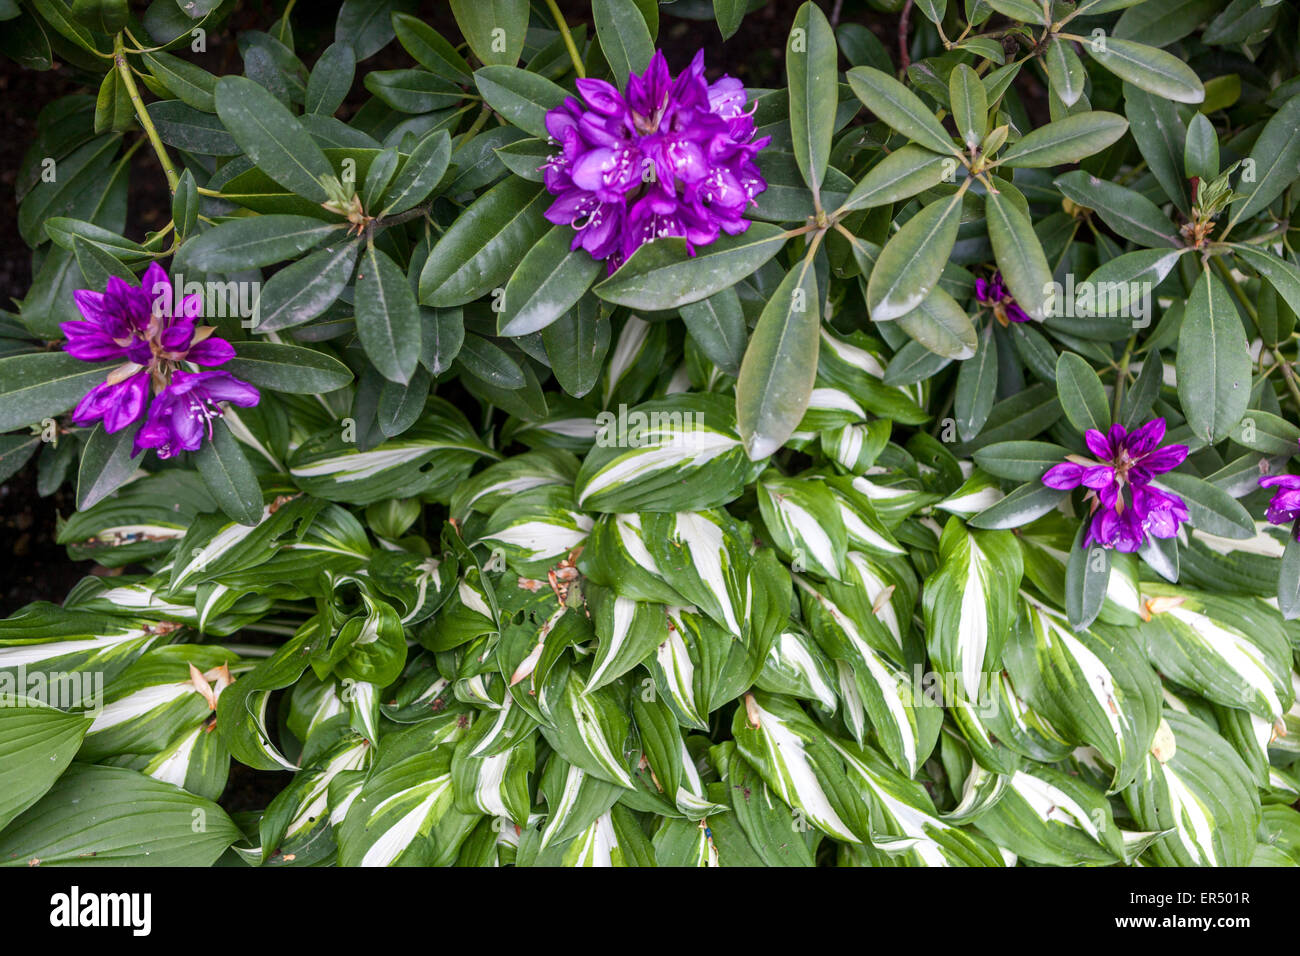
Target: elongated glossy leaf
x=624 y=37
x=661 y=275
x=810 y=63
x=1081 y=392
x=388 y=319
x=520 y=96
x=969 y=104
x=1019 y=255
x=35 y=386
x=495 y=29
x=1213 y=361
x=421 y=172
x=548 y=282
x=717 y=325
x=909 y=266
x=899 y=108
x=257 y=241
x=1274 y=162
x=304 y=289
x=1066 y=140
x=229 y=477
x=288 y=368
x=776 y=376
x=483 y=247
x=272 y=137
x=106 y=464
x=903 y=173
x=1154 y=70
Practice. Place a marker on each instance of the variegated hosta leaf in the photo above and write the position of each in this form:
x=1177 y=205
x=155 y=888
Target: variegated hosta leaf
x=855 y=364
x=155 y=717
x=616 y=557
x=467 y=614
x=760 y=829
x=1018 y=725
x=215 y=546
x=974 y=788
x=672 y=454
x=796 y=666
x=47 y=638
x=1194 y=785
x=589 y=729
x=614 y=839
x=893 y=494
x=1250 y=736
x=493 y=780
x=865 y=530
x=635 y=357
x=570 y=425
x=855 y=447
x=628 y=632
x=142 y=520
x=418 y=587
x=1233 y=651
x=574 y=800
x=969 y=603
x=1288 y=741
x=672 y=768
x=804 y=521
x=704 y=556
x=1095 y=686
x=792 y=755
x=537 y=528
x=1055 y=819
x=979 y=491
x=685 y=843
x=369 y=646
x=903 y=818
x=696 y=665
x=430 y=458
x=1046 y=545
x=297 y=826
x=1246 y=565
x=862 y=624
x=498 y=483
x=211 y=609
x=393 y=819
x=829 y=408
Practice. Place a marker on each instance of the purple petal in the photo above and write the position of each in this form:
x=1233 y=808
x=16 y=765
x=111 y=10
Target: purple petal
x=1063 y=477
x=212 y=351
x=1098 y=444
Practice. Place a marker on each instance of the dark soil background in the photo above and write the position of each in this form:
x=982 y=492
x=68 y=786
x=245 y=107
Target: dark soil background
x=36 y=568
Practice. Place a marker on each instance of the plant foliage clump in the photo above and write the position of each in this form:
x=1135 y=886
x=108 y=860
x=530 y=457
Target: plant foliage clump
x=554 y=451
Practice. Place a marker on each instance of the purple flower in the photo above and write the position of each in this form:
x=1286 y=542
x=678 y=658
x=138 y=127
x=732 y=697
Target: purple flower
x=674 y=156
x=153 y=334
x=1125 y=507
x=1284 y=508
x=182 y=414
x=992 y=292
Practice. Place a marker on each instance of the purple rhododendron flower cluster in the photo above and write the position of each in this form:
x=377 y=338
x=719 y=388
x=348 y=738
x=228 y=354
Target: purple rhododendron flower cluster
x=1126 y=508
x=994 y=293
x=674 y=156
x=1284 y=508
x=153 y=337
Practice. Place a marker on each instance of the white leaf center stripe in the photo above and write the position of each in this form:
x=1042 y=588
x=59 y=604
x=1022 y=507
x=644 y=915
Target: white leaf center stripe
x=661 y=450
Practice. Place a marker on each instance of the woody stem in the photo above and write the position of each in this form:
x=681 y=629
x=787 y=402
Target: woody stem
x=142 y=114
